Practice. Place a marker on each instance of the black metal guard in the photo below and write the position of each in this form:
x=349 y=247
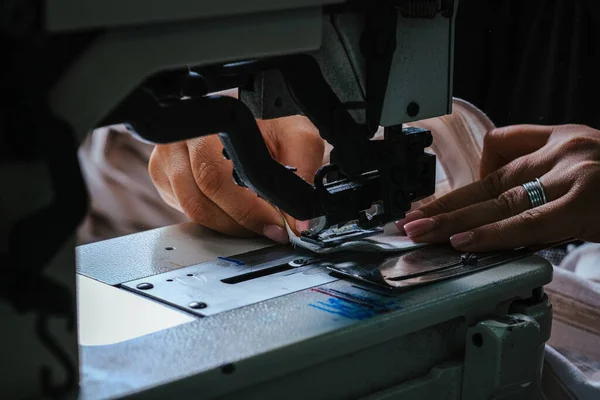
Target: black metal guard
x=394 y=172
x=240 y=135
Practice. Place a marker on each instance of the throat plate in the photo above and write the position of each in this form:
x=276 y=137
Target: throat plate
x=229 y=283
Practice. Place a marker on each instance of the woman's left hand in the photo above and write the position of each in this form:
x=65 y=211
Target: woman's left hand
x=495 y=212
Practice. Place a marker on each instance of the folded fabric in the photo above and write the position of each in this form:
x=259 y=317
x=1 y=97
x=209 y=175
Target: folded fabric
x=574 y=358
x=585 y=262
x=388 y=241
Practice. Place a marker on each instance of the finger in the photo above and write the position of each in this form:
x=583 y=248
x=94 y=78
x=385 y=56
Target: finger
x=541 y=225
x=517 y=172
x=212 y=174
x=192 y=201
x=503 y=145
x=294 y=141
x=156 y=169
x=510 y=203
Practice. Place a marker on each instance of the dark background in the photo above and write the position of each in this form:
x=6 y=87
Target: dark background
x=530 y=61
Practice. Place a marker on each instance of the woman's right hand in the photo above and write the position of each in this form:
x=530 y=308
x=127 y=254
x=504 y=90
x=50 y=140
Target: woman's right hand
x=496 y=213
x=194 y=177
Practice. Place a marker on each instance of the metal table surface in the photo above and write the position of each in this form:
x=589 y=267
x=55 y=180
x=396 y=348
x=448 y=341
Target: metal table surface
x=174 y=352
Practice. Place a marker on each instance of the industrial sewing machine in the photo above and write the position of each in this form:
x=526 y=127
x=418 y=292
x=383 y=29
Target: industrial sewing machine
x=183 y=312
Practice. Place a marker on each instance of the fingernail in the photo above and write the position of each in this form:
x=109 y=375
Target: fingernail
x=411 y=216
x=462 y=239
x=302 y=226
x=276 y=234
x=419 y=227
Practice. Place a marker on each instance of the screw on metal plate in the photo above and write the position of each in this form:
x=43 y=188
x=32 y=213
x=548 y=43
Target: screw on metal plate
x=299 y=262
x=145 y=286
x=469 y=259
x=197 y=305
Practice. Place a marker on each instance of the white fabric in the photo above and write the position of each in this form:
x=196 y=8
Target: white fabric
x=573 y=351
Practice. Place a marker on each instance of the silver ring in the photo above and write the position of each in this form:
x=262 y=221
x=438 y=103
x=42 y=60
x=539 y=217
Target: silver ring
x=536 y=193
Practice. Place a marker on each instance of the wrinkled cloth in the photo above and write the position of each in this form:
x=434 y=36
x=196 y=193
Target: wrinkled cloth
x=573 y=351
x=458 y=145
x=123 y=199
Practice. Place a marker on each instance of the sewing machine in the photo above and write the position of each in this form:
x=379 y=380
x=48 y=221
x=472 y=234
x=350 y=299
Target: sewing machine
x=180 y=311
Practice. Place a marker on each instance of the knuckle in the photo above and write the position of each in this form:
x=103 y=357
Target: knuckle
x=207 y=147
x=589 y=167
x=519 y=164
x=178 y=174
x=493 y=183
x=573 y=128
x=195 y=210
x=313 y=141
x=585 y=174
x=579 y=143
x=507 y=203
x=531 y=217
x=439 y=206
x=209 y=179
x=451 y=222
x=493 y=136
x=243 y=216
x=496 y=232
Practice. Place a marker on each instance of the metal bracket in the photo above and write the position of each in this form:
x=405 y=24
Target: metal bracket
x=502 y=357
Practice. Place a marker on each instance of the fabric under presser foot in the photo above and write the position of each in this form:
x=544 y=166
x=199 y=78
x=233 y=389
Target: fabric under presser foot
x=388 y=241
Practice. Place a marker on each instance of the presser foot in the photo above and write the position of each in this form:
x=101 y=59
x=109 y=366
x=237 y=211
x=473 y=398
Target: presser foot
x=334 y=236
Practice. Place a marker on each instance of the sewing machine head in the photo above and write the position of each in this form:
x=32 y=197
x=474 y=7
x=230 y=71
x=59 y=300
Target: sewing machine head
x=350 y=67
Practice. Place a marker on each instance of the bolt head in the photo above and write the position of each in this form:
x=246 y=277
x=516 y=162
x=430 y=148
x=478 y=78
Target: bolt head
x=197 y=305
x=145 y=286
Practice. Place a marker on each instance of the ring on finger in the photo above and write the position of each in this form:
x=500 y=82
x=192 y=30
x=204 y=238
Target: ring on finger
x=535 y=191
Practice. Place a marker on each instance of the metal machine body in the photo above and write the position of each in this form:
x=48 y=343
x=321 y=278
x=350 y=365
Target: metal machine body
x=477 y=336
x=76 y=65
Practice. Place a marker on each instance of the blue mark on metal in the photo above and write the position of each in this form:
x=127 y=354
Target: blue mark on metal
x=343 y=309
x=231 y=260
x=353 y=306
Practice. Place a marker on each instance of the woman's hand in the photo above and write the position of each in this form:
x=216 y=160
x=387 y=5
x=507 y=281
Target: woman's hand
x=194 y=177
x=495 y=212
